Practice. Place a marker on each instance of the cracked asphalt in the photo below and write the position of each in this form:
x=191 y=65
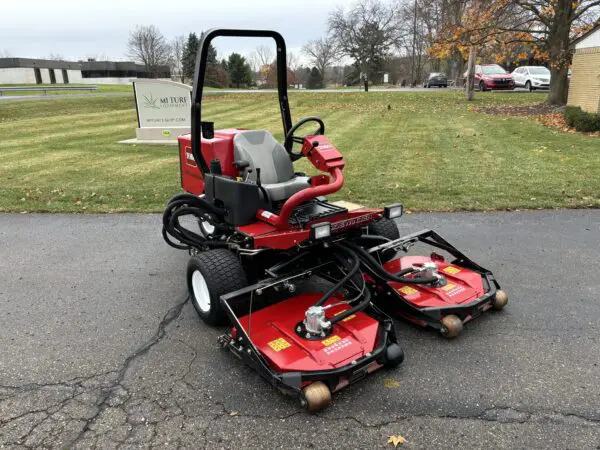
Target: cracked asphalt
x=100 y=348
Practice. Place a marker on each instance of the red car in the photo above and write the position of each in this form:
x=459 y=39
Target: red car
x=492 y=77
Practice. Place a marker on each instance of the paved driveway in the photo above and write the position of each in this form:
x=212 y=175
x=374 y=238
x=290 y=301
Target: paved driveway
x=100 y=347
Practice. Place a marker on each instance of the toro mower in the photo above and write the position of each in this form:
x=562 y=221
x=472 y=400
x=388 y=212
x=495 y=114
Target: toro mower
x=304 y=284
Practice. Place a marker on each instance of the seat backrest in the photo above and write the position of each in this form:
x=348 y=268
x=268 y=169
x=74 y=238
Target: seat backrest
x=261 y=150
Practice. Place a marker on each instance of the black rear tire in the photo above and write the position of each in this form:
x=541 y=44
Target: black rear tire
x=386 y=228
x=209 y=275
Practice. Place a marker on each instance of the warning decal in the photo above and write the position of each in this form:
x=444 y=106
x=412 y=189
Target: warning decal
x=407 y=290
x=452 y=289
x=279 y=344
x=337 y=345
x=451 y=270
x=330 y=340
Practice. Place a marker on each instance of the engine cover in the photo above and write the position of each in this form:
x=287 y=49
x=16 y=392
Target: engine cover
x=273 y=331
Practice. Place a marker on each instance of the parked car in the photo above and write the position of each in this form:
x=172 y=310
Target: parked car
x=532 y=77
x=438 y=79
x=492 y=77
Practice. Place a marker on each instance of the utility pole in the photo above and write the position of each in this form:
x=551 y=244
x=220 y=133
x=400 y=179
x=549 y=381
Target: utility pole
x=414 y=44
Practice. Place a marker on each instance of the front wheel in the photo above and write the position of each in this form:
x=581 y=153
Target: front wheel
x=211 y=274
x=482 y=86
x=528 y=86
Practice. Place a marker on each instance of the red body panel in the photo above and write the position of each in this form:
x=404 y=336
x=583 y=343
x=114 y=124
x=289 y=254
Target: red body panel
x=268 y=236
x=463 y=285
x=220 y=147
x=273 y=333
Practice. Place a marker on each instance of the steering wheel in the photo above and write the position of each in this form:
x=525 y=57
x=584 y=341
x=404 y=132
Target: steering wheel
x=290 y=138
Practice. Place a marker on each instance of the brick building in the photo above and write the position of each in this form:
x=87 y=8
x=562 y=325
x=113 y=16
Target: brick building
x=584 y=87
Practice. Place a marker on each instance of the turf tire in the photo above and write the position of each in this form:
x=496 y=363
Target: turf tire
x=388 y=229
x=222 y=272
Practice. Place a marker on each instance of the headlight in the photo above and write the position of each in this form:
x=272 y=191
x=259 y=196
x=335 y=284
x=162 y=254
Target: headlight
x=393 y=211
x=320 y=231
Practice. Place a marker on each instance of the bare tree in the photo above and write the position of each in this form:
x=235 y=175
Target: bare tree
x=322 y=53
x=177 y=46
x=4 y=53
x=367 y=33
x=56 y=57
x=264 y=55
x=148 y=45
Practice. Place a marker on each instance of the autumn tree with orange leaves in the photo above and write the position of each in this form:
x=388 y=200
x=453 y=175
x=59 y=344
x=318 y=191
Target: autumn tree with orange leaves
x=546 y=27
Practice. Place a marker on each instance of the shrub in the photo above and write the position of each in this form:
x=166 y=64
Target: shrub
x=581 y=120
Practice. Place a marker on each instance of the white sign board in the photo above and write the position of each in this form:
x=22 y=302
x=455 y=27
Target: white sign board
x=163 y=109
x=386 y=78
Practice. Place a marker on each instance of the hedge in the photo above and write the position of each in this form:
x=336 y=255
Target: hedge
x=581 y=120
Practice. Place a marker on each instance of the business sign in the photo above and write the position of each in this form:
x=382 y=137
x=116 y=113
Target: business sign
x=163 y=109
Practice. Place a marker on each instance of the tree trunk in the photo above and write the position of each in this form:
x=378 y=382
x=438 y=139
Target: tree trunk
x=560 y=53
x=366 y=82
x=470 y=74
x=559 y=85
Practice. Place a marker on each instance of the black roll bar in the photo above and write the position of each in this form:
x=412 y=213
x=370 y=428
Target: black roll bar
x=200 y=72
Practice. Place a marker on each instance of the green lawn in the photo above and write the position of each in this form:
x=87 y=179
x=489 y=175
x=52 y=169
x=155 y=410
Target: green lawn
x=427 y=150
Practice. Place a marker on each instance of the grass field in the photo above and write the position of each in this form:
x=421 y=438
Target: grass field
x=427 y=150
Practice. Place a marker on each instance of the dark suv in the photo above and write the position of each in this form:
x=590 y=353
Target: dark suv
x=436 y=79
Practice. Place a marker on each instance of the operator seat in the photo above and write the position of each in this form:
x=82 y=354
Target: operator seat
x=262 y=151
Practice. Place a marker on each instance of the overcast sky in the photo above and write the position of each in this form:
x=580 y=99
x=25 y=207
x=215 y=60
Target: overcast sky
x=78 y=29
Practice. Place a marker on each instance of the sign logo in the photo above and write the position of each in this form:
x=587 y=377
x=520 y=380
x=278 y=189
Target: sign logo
x=150 y=102
x=166 y=133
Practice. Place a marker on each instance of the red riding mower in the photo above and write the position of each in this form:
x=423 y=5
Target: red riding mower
x=265 y=229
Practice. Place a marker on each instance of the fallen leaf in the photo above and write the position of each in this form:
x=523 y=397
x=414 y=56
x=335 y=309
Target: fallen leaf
x=391 y=384
x=233 y=413
x=396 y=440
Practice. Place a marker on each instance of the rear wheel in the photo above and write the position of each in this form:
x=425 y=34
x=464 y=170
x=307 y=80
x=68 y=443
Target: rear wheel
x=211 y=274
x=384 y=227
x=388 y=229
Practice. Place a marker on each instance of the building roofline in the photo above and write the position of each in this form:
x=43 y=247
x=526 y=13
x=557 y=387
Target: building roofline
x=586 y=34
x=29 y=63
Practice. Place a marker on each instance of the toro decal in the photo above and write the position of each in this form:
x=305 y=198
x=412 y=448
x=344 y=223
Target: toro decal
x=343 y=224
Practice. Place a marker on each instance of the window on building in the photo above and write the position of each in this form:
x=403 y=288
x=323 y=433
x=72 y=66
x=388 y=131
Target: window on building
x=38 y=75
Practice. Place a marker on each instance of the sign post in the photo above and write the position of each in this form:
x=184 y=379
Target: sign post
x=163 y=111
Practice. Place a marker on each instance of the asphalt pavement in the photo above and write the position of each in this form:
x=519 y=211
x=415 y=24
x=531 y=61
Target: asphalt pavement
x=100 y=347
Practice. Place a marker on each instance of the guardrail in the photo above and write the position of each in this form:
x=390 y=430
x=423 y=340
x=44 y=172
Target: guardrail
x=45 y=89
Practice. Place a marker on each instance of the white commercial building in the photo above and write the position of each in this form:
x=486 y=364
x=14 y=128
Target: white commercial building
x=38 y=71
x=43 y=71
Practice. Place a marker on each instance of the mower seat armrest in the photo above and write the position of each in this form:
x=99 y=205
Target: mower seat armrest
x=241 y=164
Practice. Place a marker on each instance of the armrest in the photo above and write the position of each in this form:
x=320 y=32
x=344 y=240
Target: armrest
x=241 y=164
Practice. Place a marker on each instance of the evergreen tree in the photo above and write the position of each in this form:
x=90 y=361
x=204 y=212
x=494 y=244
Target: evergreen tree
x=190 y=53
x=315 y=79
x=239 y=70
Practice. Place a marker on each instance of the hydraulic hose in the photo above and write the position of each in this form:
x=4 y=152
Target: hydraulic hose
x=359 y=307
x=183 y=205
x=372 y=264
x=353 y=270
